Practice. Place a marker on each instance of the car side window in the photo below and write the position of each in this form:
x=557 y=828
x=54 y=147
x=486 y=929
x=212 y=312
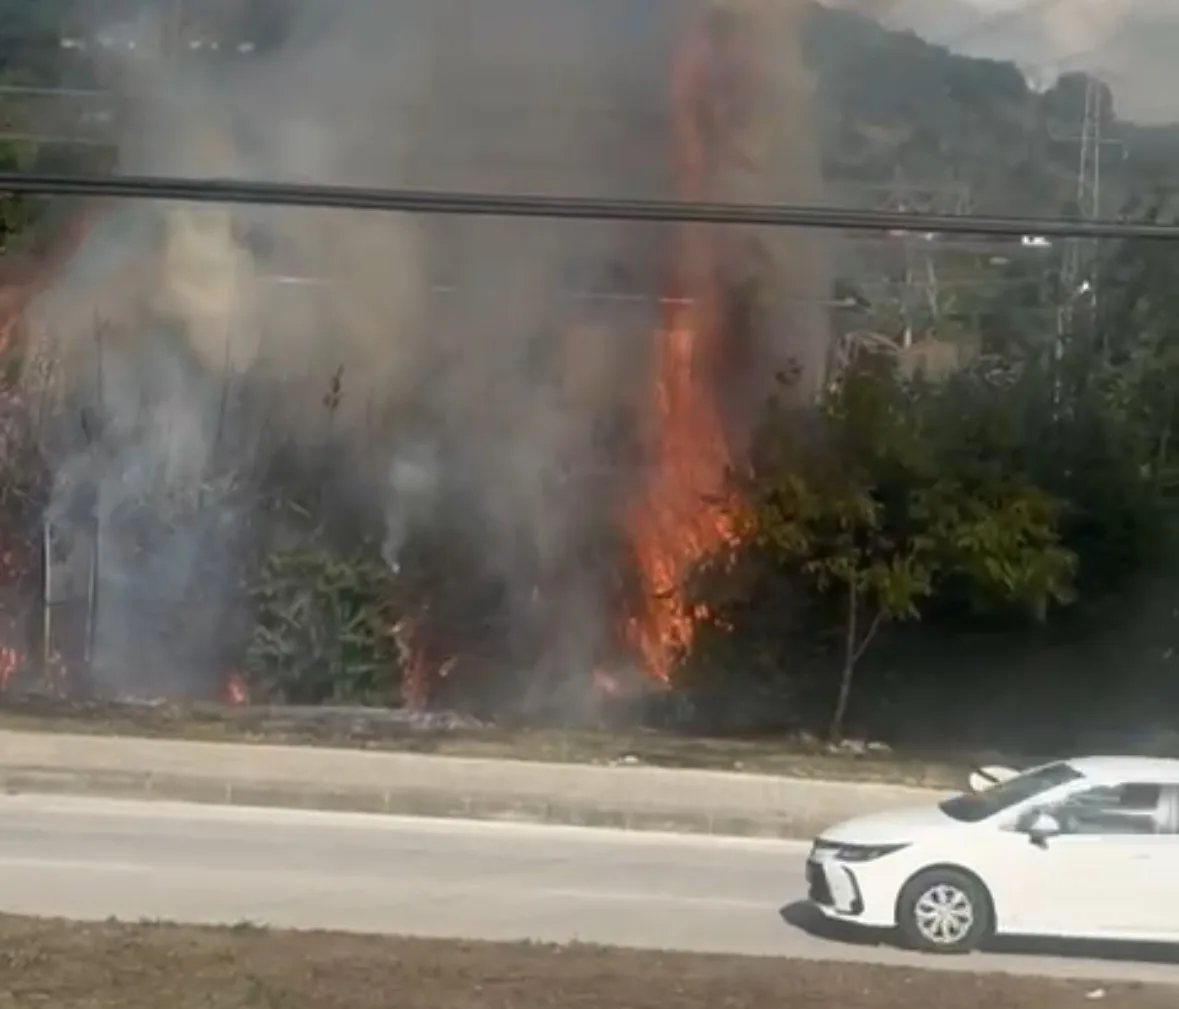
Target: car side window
x=1130 y=808
x=1169 y=817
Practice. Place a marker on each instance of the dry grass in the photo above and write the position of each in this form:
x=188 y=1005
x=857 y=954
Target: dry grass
x=796 y=757
x=61 y=965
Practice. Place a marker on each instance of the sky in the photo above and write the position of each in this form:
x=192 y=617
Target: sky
x=1130 y=43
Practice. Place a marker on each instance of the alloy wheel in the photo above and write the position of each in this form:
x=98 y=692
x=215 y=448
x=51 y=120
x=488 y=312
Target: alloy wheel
x=944 y=914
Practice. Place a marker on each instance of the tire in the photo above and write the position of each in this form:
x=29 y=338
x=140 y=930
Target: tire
x=965 y=918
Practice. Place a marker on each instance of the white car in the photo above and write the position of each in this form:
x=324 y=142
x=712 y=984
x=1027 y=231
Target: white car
x=1085 y=849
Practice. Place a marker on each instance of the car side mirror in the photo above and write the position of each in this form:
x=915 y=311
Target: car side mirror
x=1040 y=827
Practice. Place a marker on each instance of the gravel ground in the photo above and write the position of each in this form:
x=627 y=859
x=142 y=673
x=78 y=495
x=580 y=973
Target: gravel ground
x=62 y=965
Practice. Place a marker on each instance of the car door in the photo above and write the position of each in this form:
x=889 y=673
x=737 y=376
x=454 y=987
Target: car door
x=1157 y=910
x=1093 y=878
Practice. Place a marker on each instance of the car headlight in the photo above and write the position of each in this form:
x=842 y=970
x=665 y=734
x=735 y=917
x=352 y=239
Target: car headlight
x=858 y=852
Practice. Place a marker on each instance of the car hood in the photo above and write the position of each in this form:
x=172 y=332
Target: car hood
x=897 y=826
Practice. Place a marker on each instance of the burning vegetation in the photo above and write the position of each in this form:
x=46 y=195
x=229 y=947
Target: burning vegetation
x=193 y=449
x=721 y=101
x=683 y=514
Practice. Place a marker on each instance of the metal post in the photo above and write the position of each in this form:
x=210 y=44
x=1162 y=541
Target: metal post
x=70 y=603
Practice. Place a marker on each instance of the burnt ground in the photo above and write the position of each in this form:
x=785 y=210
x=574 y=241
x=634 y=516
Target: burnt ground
x=59 y=965
x=446 y=735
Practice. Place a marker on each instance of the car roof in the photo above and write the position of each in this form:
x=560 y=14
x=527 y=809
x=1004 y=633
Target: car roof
x=1144 y=770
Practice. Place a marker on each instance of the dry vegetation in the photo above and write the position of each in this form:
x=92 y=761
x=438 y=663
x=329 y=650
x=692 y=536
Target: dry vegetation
x=61 y=965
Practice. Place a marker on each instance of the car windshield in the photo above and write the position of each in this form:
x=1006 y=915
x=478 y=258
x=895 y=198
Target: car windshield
x=973 y=807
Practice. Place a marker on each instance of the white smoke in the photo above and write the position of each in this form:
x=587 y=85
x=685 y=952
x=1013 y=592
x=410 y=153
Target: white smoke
x=433 y=369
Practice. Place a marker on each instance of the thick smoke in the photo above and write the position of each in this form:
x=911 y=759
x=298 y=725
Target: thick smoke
x=475 y=378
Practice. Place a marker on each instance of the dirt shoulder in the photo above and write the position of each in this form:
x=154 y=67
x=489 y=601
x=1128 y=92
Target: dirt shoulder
x=447 y=736
x=75 y=966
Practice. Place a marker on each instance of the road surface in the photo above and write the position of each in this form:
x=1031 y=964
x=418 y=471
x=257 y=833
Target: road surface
x=94 y=859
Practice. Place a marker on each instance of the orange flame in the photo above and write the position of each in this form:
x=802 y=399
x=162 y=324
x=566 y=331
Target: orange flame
x=415 y=666
x=687 y=510
x=12 y=569
x=607 y=685
x=9 y=663
x=237 y=694
x=25 y=275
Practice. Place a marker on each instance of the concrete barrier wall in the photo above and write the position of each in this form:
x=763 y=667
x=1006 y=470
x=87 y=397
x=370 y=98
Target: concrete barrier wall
x=636 y=797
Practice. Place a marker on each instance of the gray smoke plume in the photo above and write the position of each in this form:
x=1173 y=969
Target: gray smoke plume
x=478 y=375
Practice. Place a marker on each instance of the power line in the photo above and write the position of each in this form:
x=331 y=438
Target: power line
x=413 y=201
x=61 y=139
x=30 y=91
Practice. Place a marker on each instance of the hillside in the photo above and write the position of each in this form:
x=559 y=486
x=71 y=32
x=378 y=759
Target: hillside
x=893 y=106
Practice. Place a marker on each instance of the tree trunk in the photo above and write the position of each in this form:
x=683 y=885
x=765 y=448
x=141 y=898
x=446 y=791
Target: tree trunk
x=850 y=655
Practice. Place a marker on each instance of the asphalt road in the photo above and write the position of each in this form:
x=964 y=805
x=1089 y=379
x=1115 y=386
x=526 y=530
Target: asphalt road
x=94 y=859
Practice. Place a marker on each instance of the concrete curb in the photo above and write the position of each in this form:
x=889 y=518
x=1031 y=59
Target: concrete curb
x=630 y=797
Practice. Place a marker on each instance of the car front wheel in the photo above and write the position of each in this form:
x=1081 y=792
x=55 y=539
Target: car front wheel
x=944 y=911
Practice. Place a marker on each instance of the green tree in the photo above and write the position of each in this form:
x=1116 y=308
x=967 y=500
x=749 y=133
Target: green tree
x=867 y=512
x=17 y=213
x=835 y=535
x=1135 y=344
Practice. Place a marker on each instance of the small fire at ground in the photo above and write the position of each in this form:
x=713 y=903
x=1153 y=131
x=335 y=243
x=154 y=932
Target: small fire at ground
x=606 y=684
x=237 y=693
x=415 y=665
x=9 y=664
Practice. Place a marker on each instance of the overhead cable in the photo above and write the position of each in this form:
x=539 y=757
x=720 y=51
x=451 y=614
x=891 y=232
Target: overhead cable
x=415 y=201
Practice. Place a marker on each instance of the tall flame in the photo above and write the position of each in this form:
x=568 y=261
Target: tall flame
x=686 y=511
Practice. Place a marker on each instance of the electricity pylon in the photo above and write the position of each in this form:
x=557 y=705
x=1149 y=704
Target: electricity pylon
x=920 y=293
x=1076 y=281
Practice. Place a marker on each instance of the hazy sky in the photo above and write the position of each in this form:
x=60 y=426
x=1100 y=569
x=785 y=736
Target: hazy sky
x=1129 y=42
